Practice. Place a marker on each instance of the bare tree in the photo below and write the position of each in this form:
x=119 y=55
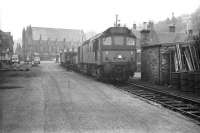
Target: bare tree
x=196 y=20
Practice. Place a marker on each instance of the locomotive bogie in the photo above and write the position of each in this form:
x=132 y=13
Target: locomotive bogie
x=118 y=71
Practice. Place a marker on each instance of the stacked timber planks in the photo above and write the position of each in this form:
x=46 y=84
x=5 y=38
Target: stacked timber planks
x=191 y=83
x=184 y=81
x=197 y=83
x=175 y=80
x=186 y=61
x=187 y=58
x=187 y=64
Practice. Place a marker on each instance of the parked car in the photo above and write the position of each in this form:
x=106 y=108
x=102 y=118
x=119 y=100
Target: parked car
x=15 y=59
x=36 y=61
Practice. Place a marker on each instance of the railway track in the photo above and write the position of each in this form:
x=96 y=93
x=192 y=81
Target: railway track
x=185 y=106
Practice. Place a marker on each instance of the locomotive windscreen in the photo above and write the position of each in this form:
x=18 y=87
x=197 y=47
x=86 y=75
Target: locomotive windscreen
x=118 y=40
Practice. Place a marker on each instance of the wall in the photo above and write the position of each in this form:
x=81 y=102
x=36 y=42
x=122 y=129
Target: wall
x=150 y=64
x=6 y=46
x=165 y=65
x=156 y=63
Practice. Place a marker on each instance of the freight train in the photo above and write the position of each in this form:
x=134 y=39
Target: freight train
x=110 y=55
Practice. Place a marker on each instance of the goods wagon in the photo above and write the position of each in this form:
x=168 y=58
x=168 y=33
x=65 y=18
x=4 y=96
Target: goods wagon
x=68 y=59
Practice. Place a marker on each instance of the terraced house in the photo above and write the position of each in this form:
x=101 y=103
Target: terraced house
x=6 y=46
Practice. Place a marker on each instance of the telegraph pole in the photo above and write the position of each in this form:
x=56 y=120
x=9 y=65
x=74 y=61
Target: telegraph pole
x=116 y=21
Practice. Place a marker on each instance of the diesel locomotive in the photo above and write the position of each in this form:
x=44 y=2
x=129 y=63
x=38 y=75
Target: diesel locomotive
x=110 y=55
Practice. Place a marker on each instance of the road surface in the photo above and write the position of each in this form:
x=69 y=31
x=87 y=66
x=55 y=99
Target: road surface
x=49 y=99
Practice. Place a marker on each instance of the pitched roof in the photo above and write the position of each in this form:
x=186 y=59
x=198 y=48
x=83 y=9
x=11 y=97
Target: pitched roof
x=170 y=37
x=56 y=34
x=166 y=37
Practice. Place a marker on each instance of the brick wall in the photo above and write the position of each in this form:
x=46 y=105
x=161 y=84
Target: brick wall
x=155 y=67
x=164 y=65
x=150 y=64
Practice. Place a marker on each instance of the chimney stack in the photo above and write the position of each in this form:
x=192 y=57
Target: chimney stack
x=151 y=25
x=145 y=26
x=145 y=35
x=172 y=27
x=189 y=29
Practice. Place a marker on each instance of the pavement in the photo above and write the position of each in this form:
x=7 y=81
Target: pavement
x=49 y=99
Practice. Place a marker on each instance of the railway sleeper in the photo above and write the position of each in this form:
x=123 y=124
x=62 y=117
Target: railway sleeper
x=163 y=97
x=138 y=91
x=195 y=112
x=148 y=97
x=147 y=94
x=164 y=100
x=170 y=101
x=190 y=109
x=180 y=105
x=187 y=109
x=184 y=107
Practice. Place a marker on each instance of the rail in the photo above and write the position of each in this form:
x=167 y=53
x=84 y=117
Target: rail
x=186 y=106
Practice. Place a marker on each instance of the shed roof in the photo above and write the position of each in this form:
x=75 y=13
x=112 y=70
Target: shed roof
x=167 y=37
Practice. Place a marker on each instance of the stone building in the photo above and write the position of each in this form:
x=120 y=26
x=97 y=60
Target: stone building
x=155 y=61
x=6 y=46
x=19 y=50
x=49 y=41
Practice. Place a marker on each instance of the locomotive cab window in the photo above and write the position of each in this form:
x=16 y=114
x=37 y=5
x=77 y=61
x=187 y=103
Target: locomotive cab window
x=118 y=40
x=130 y=41
x=107 y=41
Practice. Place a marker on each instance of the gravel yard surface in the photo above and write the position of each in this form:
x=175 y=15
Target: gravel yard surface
x=49 y=99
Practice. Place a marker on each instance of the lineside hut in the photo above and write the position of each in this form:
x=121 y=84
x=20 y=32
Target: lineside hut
x=170 y=59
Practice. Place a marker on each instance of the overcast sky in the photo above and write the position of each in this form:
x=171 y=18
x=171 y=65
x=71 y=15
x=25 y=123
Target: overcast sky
x=88 y=15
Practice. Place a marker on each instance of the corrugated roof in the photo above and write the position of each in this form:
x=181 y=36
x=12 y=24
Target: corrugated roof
x=56 y=34
x=166 y=37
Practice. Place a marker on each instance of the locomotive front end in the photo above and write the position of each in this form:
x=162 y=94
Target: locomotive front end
x=119 y=54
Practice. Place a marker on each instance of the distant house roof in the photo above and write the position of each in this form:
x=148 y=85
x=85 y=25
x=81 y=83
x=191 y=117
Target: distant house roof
x=56 y=34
